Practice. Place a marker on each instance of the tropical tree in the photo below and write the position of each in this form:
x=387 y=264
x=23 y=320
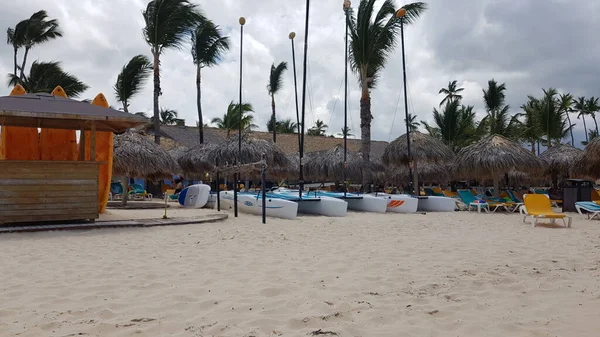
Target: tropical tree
x=455 y=125
x=530 y=130
x=318 y=129
x=16 y=38
x=580 y=106
x=168 y=24
x=168 y=116
x=231 y=119
x=45 y=76
x=346 y=132
x=373 y=36
x=565 y=102
x=132 y=78
x=208 y=46
x=287 y=126
x=451 y=93
x=591 y=134
x=592 y=106
x=274 y=86
x=413 y=125
x=545 y=117
x=498 y=120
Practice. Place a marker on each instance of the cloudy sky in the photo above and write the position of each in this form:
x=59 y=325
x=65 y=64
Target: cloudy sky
x=528 y=44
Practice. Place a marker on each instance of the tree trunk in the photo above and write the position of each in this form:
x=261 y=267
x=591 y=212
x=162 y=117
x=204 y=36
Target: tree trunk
x=570 y=129
x=586 y=130
x=156 y=94
x=595 y=122
x=125 y=195
x=496 y=187
x=24 y=62
x=365 y=129
x=533 y=147
x=16 y=50
x=199 y=104
x=125 y=106
x=273 y=119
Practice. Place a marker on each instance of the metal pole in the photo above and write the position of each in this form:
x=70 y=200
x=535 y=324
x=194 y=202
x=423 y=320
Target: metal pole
x=305 y=62
x=218 y=187
x=415 y=188
x=264 y=192
x=292 y=35
x=236 y=175
x=346 y=105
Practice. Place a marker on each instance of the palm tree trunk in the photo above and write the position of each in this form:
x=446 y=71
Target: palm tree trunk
x=585 y=129
x=125 y=184
x=570 y=129
x=156 y=94
x=199 y=104
x=16 y=50
x=533 y=147
x=365 y=131
x=273 y=119
x=595 y=122
x=24 y=62
x=125 y=106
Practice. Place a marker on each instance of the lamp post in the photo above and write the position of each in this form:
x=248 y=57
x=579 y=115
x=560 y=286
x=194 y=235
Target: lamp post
x=304 y=66
x=242 y=22
x=400 y=14
x=346 y=7
x=292 y=37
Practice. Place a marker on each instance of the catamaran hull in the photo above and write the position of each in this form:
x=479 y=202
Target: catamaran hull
x=437 y=204
x=368 y=203
x=399 y=203
x=327 y=206
x=252 y=204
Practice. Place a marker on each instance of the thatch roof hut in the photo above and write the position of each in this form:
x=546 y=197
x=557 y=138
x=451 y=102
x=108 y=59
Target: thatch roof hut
x=588 y=163
x=428 y=172
x=493 y=157
x=559 y=160
x=137 y=157
x=194 y=161
x=328 y=165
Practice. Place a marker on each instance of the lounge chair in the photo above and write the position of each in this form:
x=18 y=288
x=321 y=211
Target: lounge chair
x=538 y=206
x=116 y=191
x=518 y=202
x=170 y=195
x=137 y=191
x=469 y=199
x=591 y=209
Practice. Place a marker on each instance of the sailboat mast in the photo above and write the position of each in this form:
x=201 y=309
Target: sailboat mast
x=347 y=5
x=304 y=66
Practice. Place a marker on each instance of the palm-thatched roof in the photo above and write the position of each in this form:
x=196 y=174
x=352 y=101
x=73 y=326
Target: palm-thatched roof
x=252 y=152
x=136 y=156
x=492 y=157
x=588 y=163
x=329 y=165
x=194 y=161
x=560 y=158
x=427 y=171
x=423 y=148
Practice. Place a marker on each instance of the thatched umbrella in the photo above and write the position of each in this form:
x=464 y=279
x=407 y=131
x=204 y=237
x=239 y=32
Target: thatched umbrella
x=423 y=148
x=588 y=163
x=329 y=165
x=559 y=160
x=494 y=156
x=136 y=156
x=428 y=172
x=194 y=161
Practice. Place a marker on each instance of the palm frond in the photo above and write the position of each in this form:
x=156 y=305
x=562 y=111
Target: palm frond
x=208 y=44
x=169 y=22
x=45 y=76
x=276 y=78
x=132 y=78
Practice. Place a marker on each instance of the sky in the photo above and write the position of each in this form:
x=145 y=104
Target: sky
x=527 y=44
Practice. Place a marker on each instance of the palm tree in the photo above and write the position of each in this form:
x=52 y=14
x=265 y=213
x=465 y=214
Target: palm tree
x=345 y=133
x=455 y=125
x=16 y=38
x=274 y=86
x=132 y=78
x=592 y=134
x=413 y=125
x=592 y=107
x=287 y=126
x=45 y=76
x=530 y=130
x=373 y=36
x=318 y=129
x=580 y=106
x=168 y=23
x=498 y=120
x=231 y=119
x=208 y=46
x=168 y=116
x=36 y=30
x=566 y=107
x=451 y=93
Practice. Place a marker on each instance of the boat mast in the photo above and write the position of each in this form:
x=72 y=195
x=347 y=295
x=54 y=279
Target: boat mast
x=301 y=182
x=347 y=5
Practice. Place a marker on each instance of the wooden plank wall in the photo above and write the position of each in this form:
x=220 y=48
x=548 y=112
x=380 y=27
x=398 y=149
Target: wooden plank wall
x=33 y=191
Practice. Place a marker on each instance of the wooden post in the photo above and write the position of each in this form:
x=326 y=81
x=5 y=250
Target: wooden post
x=82 y=145
x=93 y=143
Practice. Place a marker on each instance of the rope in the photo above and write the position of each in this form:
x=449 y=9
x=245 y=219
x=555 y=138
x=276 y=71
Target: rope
x=394 y=119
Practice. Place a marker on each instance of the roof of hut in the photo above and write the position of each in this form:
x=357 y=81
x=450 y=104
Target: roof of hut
x=329 y=165
x=427 y=171
x=494 y=156
x=423 y=148
x=588 y=163
x=252 y=151
x=560 y=158
x=136 y=156
x=195 y=160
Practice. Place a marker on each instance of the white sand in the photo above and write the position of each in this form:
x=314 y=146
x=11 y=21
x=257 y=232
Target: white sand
x=457 y=274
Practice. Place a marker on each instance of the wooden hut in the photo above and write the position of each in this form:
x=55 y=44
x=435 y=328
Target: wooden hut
x=41 y=190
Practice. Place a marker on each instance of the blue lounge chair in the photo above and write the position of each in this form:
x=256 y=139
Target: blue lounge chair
x=116 y=191
x=470 y=200
x=591 y=209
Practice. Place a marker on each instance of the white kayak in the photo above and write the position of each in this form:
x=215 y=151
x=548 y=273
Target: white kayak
x=436 y=204
x=212 y=201
x=251 y=203
x=316 y=204
x=194 y=196
x=399 y=203
x=358 y=202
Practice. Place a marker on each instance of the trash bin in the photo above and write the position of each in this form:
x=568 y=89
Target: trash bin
x=575 y=190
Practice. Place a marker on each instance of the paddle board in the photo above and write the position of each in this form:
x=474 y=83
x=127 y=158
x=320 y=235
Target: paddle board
x=58 y=144
x=194 y=196
x=19 y=143
x=104 y=153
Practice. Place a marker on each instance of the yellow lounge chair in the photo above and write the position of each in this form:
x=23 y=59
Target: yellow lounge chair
x=539 y=206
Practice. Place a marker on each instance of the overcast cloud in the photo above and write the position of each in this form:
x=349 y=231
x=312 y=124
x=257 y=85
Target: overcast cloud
x=529 y=44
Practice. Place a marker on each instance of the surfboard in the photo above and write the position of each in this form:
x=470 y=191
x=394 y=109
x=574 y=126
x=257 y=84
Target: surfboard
x=58 y=144
x=19 y=143
x=194 y=196
x=104 y=153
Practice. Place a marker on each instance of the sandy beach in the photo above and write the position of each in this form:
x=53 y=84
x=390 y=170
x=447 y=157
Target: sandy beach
x=446 y=274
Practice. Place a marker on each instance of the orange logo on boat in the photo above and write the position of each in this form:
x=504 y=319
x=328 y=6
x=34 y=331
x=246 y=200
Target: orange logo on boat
x=395 y=203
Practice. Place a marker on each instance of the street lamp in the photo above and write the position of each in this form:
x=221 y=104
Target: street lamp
x=242 y=22
x=292 y=36
x=400 y=14
x=347 y=10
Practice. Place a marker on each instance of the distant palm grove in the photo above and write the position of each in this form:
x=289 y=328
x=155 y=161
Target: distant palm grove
x=545 y=119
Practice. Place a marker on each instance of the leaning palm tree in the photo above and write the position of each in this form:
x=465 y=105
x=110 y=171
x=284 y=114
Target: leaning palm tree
x=16 y=38
x=373 y=36
x=274 y=86
x=565 y=102
x=231 y=119
x=451 y=93
x=38 y=30
x=580 y=106
x=168 y=24
x=592 y=106
x=208 y=46
x=45 y=76
x=132 y=78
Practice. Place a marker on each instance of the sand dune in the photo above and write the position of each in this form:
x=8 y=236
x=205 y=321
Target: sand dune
x=458 y=274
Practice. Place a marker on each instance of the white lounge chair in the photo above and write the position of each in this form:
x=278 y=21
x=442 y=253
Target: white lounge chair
x=592 y=209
